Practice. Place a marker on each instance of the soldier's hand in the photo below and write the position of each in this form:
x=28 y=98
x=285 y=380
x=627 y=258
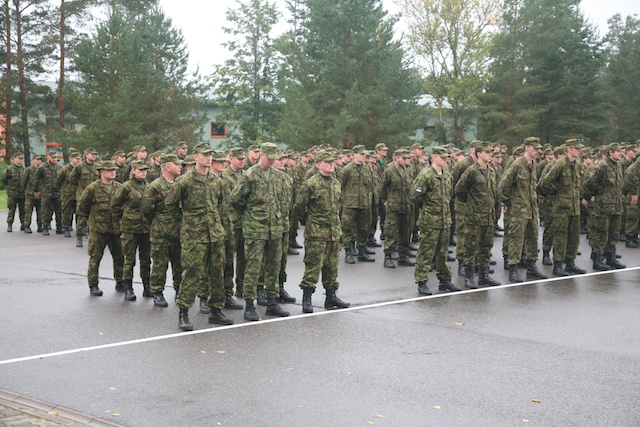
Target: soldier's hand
x=505 y=209
x=634 y=200
x=36 y=195
x=585 y=203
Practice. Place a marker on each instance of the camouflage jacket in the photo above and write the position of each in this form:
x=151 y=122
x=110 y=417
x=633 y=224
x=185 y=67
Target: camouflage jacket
x=95 y=202
x=517 y=189
x=12 y=178
x=287 y=198
x=561 y=183
x=67 y=190
x=232 y=179
x=357 y=186
x=47 y=181
x=82 y=175
x=456 y=172
x=605 y=183
x=127 y=203
x=317 y=206
x=431 y=193
x=29 y=181
x=201 y=198
x=153 y=173
x=259 y=199
x=165 y=219
x=394 y=189
x=120 y=173
x=477 y=188
x=631 y=186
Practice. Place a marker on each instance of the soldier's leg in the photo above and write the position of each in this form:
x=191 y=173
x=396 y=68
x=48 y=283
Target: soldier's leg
x=21 y=210
x=215 y=273
x=272 y=258
x=193 y=262
x=37 y=205
x=598 y=232
x=175 y=257
x=144 y=254
x=241 y=261
x=548 y=233
x=485 y=245
x=97 y=243
x=229 y=248
x=115 y=247
x=505 y=237
x=254 y=252
x=374 y=219
x=67 y=215
x=573 y=237
x=471 y=244
x=405 y=226
x=427 y=246
x=632 y=215
x=516 y=239
x=561 y=237
x=129 y=246
x=441 y=245
x=314 y=254
x=330 y=265
x=348 y=227
x=391 y=232
x=57 y=210
x=12 y=203
x=160 y=256
x=613 y=234
x=282 y=274
x=28 y=211
x=363 y=222
x=382 y=212
x=531 y=239
x=460 y=230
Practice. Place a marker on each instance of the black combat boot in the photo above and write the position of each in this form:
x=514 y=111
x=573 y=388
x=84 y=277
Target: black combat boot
x=284 y=295
x=59 y=230
x=452 y=240
x=405 y=261
x=120 y=286
x=146 y=284
x=45 y=230
x=522 y=263
x=423 y=289
x=262 y=295
x=273 y=309
x=382 y=236
x=67 y=232
x=217 y=317
x=613 y=262
x=598 y=263
x=95 y=291
x=461 y=270
x=307 y=307
x=533 y=272
x=348 y=257
x=505 y=262
x=292 y=251
x=446 y=285
x=294 y=244
x=513 y=274
x=78 y=240
x=485 y=280
x=558 y=270
x=372 y=243
x=546 y=259
x=362 y=255
x=204 y=305
x=368 y=251
x=27 y=230
x=250 y=311
x=9 y=228
x=159 y=301
x=572 y=268
x=231 y=304
x=388 y=262
x=39 y=230
x=450 y=258
x=332 y=301
x=128 y=290
x=469 y=281
x=183 y=320
x=489 y=270
x=632 y=241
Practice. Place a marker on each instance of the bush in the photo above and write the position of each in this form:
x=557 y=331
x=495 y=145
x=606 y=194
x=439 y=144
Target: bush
x=3 y=167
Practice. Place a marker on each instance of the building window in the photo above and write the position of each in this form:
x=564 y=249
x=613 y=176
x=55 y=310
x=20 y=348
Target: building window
x=218 y=130
x=54 y=123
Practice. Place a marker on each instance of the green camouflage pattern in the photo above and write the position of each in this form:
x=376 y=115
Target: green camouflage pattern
x=95 y=204
x=434 y=242
x=431 y=195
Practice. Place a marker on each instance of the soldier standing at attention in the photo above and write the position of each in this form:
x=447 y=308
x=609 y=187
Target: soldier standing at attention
x=357 y=187
x=31 y=200
x=317 y=206
x=46 y=187
x=231 y=175
x=257 y=196
x=253 y=154
x=631 y=189
x=83 y=174
x=154 y=166
x=517 y=191
x=182 y=149
x=200 y=193
x=604 y=184
x=165 y=229
x=394 y=190
x=68 y=193
x=119 y=159
x=12 y=178
x=134 y=228
x=95 y=203
x=381 y=151
x=431 y=195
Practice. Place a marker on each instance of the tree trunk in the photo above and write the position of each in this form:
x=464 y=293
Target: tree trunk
x=8 y=87
x=61 y=82
x=24 y=111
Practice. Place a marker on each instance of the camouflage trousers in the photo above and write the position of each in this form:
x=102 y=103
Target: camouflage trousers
x=523 y=234
x=240 y=264
x=203 y=269
x=461 y=233
x=282 y=275
x=262 y=253
x=29 y=205
x=604 y=231
x=548 y=233
x=632 y=220
x=140 y=243
x=50 y=206
x=97 y=243
x=12 y=204
x=355 y=226
x=229 y=250
x=478 y=245
x=374 y=220
x=505 y=236
x=397 y=229
x=68 y=210
x=320 y=256
x=566 y=236
x=293 y=226
x=163 y=252
x=433 y=243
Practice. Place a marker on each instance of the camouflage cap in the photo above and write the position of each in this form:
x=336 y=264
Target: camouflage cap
x=559 y=150
x=346 y=152
x=19 y=155
x=141 y=148
x=37 y=157
x=473 y=144
x=533 y=141
x=614 y=146
x=547 y=151
x=381 y=147
x=360 y=149
x=401 y=152
x=575 y=143
x=203 y=147
x=270 y=150
x=119 y=153
x=181 y=144
x=483 y=146
x=238 y=153
x=440 y=151
x=75 y=155
x=325 y=156
x=253 y=147
x=137 y=164
x=218 y=156
x=189 y=160
x=518 y=151
x=52 y=153
x=90 y=151
x=416 y=145
x=136 y=148
x=106 y=165
x=170 y=158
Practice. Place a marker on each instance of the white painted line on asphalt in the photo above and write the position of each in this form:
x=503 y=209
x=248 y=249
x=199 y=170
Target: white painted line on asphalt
x=303 y=316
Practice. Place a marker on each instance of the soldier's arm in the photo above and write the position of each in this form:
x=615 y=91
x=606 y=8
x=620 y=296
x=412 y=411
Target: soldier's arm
x=117 y=201
x=61 y=177
x=383 y=187
x=84 y=204
x=150 y=201
x=240 y=193
x=6 y=176
x=464 y=184
x=547 y=185
x=302 y=200
x=632 y=180
x=75 y=175
x=421 y=187
x=504 y=186
x=591 y=183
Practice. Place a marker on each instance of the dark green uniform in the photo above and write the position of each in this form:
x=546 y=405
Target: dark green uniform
x=459 y=206
x=12 y=178
x=67 y=196
x=232 y=178
x=357 y=188
x=47 y=185
x=31 y=203
x=83 y=174
x=394 y=189
x=631 y=188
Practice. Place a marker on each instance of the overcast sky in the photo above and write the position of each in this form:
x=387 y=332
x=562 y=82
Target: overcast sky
x=201 y=22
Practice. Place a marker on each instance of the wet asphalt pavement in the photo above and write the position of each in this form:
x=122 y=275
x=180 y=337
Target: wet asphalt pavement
x=553 y=353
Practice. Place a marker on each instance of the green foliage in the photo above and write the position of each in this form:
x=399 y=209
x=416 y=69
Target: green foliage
x=3 y=199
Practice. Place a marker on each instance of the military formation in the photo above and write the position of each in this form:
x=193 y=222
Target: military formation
x=226 y=221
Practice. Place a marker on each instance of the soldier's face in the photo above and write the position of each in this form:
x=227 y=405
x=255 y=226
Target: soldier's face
x=218 y=167
x=182 y=151
x=108 y=175
x=36 y=162
x=52 y=160
x=438 y=161
x=120 y=160
x=140 y=174
x=358 y=158
x=615 y=154
x=203 y=159
x=18 y=161
x=236 y=163
x=74 y=161
x=90 y=157
x=142 y=155
x=325 y=168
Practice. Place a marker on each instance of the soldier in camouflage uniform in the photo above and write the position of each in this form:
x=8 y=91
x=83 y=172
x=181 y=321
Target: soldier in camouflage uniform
x=81 y=176
x=154 y=167
x=200 y=194
x=165 y=229
x=604 y=184
x=46 y=186
x=12 y=178
x=394 y=190
x=431 y=195
x=460 y=207
x=357 y=187
x=317 y=206
x=253 y=154
x=31 y=200
x=415 y=166
x=631 y=189
x=258 y=195
x=517 y=191
x=380 y=161
x=562 y=184
x=68 y=193
x=477 y=189
x=95 y=203
x=119 y=158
